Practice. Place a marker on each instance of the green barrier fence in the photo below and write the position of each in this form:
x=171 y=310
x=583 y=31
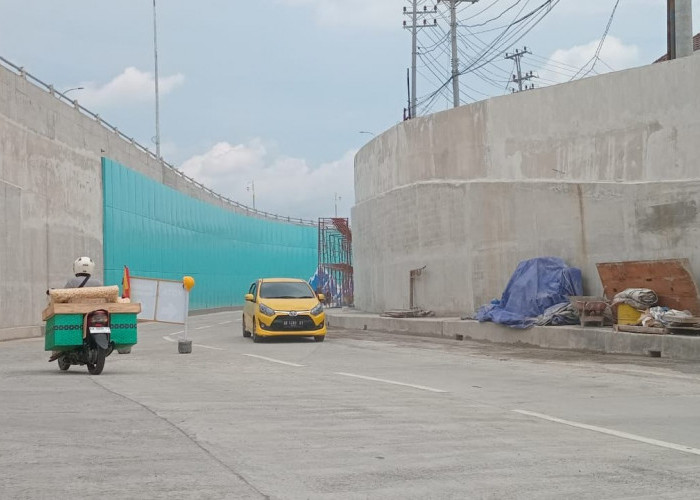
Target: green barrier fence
x=159 y=232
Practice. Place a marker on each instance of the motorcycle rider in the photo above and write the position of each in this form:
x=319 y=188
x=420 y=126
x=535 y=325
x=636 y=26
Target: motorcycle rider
x=83 y=267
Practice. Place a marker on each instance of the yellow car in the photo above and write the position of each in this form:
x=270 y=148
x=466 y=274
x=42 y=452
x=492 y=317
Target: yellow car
x=283 y=306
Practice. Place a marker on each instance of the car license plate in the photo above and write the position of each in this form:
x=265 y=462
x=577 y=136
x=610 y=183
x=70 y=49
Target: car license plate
x=99 y=329
x=291 y=323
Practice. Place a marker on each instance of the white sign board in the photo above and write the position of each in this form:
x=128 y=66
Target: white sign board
x=170 y=303
x=161 y=300
x=144 y=291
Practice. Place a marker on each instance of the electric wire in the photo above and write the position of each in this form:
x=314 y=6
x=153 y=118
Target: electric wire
x=600 y=45
x=479 y=55
x=495 y=18
x=524 y=19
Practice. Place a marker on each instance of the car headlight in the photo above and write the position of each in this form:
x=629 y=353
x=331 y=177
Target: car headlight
x=266 y=310
x=317 y=310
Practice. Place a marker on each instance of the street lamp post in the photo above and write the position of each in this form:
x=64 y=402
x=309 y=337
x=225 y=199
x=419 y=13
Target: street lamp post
x=155 y=54
x=336 y=199
x=71 y=89
x=251 y=187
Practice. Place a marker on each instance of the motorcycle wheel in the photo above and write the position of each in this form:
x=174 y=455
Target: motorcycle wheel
x=63 y=365
x=97 y=367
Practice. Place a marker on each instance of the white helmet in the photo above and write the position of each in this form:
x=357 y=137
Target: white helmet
x=83 y=265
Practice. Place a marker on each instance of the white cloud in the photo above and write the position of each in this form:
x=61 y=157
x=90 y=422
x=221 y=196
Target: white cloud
x=615 y=55
x=131 y=86
x=385 y=14
x=283 y=185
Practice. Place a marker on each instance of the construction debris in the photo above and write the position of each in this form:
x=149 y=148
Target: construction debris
x=639 y=298
x=407 y=313
x=591 y=310
x=672 y=281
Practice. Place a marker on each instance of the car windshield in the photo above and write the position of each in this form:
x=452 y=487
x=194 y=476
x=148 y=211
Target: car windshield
x=285 y=290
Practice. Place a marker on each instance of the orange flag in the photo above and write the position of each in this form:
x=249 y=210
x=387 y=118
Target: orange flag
x=126 y=284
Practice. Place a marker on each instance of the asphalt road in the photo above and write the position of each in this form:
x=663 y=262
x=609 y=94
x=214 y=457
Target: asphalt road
x=361 y=415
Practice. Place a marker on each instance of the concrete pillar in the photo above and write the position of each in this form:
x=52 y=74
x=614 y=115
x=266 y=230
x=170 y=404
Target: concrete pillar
x=680 y=28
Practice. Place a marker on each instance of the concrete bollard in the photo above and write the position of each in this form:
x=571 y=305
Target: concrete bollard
x=184 y=346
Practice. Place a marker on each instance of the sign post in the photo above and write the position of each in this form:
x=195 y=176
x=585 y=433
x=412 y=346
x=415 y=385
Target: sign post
x=184 y=346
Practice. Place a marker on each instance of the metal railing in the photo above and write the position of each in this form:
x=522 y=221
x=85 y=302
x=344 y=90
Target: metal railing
x=74 y=102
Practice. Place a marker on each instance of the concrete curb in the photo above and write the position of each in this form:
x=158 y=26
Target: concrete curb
x=21 y=332
x=600 y=340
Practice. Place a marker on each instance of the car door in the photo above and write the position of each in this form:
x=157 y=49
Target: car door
x=249 y=307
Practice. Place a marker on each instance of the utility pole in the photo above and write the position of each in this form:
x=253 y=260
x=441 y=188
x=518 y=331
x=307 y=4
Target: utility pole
x=455 y=53
x=407 y=110
x=680 y=28
x=414 y=26
x=520 y=78
x=155 y=53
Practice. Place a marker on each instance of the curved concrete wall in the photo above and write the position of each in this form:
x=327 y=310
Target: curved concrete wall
x=602 y=169
x=51 y=204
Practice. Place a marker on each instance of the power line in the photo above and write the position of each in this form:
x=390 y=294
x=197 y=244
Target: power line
x=474 y=55
x=600 y=45
x=495 y=18
x=523 y=25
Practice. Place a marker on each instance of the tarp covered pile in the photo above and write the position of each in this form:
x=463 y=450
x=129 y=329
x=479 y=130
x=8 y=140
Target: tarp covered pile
x=639 y=298
x=535 y=286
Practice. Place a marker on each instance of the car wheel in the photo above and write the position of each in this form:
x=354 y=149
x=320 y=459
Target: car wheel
x=256 y=338
x=319 y=338
x=245 y=332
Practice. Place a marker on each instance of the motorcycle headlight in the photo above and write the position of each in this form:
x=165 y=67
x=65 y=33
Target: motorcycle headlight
x=266 y=310
x=317 y=310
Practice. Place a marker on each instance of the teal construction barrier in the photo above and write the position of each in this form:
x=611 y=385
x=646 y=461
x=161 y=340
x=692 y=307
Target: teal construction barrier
x=159 y=232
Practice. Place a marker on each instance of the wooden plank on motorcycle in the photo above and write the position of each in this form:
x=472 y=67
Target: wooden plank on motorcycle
x=83 y=308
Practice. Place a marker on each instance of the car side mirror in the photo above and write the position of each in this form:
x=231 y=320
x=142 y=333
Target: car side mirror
x=321 y=297
x=249 y=297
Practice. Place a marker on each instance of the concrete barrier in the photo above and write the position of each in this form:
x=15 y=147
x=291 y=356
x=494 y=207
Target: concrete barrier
x=590 y=339
x=22 y=332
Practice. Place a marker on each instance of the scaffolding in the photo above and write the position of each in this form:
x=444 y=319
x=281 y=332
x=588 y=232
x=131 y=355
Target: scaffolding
x=335 y=273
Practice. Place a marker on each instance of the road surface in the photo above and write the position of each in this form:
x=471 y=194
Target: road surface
x=361 y=415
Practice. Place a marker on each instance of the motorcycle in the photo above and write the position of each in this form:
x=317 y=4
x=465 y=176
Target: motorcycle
x=96 y=345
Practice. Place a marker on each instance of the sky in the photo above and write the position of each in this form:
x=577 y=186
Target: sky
x=269 y=100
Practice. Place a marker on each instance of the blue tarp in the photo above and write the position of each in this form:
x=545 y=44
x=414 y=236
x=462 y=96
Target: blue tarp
x=536 y=285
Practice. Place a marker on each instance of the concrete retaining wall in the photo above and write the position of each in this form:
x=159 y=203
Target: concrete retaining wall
x=598 y=170
x=51 y=195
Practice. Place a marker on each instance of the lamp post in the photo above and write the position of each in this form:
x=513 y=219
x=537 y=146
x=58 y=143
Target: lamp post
x=251 y=187
x=336 y=199
x=155 y=56
x=71 y=89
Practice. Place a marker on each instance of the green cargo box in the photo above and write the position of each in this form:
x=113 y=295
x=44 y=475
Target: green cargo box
x=65 y=331
x=123 y=329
